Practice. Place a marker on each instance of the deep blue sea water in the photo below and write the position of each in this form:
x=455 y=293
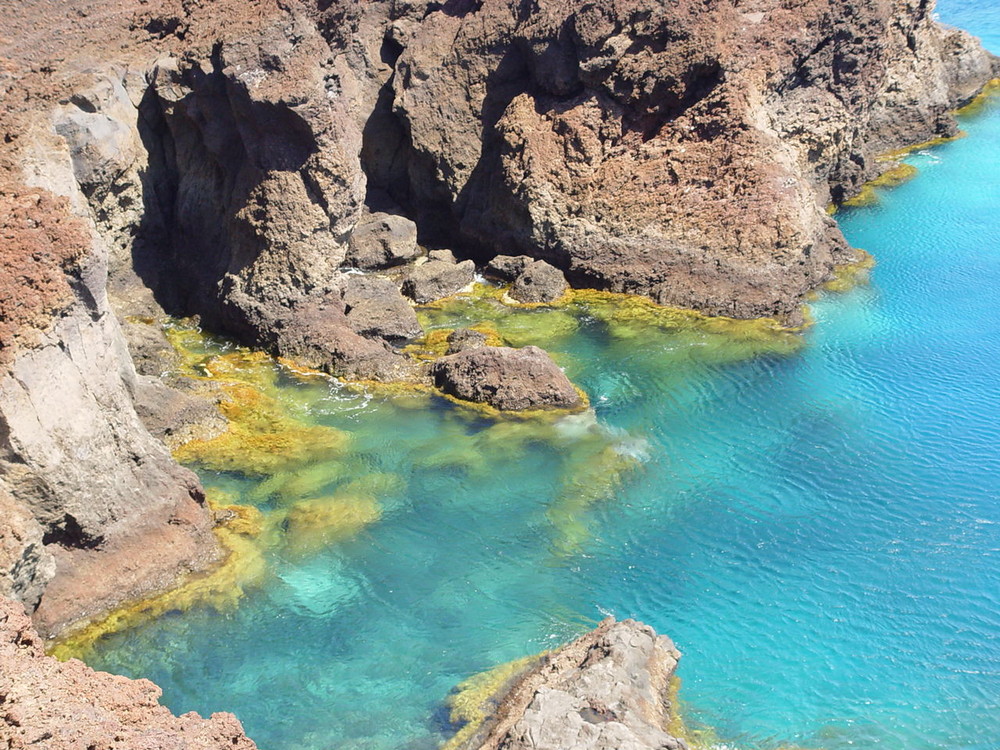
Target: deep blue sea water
x=818 y=531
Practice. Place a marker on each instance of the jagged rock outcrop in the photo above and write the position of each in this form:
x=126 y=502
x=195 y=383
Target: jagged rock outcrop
x=505 y=378
x=608 y=690
x=67 y=706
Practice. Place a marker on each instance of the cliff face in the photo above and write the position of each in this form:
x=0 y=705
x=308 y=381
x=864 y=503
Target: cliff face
x=96 y=511
x=46 y=703
x=221 y=155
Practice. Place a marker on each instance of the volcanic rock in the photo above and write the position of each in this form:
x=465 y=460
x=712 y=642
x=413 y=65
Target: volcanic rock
x=376 y=309
x=507 y=267
x=436 y=279
x=608 y=690
x=382 y=241
x=462 y=339
x=66 y=706
x=505 y=378
x=539 y=282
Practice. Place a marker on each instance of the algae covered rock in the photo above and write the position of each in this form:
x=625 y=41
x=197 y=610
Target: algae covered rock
x=382 y=241
x=539 y=282
x=438 y=278
x=463 y=339
x=505 y=378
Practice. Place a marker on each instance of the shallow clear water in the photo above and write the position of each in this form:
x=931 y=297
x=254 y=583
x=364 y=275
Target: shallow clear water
x=818 y=530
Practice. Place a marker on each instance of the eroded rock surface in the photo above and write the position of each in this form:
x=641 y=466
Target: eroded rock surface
x=437 y=278
x=68 y=706
x=505 y=378
x=539 y=282
x=375 y=308
x=608 y=690
x=382 y=241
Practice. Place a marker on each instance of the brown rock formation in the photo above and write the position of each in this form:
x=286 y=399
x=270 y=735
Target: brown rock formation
x=608 y=690
x=220 y=155
x=48 y=704
x=505 y=378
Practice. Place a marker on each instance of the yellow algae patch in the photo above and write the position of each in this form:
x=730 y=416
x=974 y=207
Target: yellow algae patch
x=261 y=438
x=899 y=153
x=241 y=537
x=474 y=698
x=979 y=102
x=434 y=343
x=891 y=178
x=312 y=525
x=850 y=275
x=303 y=482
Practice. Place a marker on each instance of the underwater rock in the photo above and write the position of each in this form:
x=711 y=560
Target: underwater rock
x=382 y=241
x=506 y=379
x=67 y=705
x=375 y=308
x=608 y=690
x=539 y=282
x=436 y=279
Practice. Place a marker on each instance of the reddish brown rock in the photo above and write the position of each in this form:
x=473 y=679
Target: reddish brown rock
x=68 y=706
x=505 y=378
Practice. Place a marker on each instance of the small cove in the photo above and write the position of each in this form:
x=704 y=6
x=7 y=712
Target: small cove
x=817 y=527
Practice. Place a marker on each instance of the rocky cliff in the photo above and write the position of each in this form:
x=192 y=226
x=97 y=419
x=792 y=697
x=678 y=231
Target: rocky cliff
x=281 y=169
x=62 y=706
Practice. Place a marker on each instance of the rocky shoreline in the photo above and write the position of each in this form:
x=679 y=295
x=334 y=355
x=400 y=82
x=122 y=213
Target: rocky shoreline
x=298 y=176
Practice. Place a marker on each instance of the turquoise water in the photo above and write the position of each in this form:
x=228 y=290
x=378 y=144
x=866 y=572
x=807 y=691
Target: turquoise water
x=818 y=530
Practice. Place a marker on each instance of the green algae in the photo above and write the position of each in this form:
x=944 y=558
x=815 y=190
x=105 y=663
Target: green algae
x=243 y=533
x=850 y=275
x=475 y=698
x=978 y=103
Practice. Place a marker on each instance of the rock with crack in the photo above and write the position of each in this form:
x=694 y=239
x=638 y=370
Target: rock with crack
x=64 y=706
x=539 y=282
x=608 y=690
x=376 y=309
x=381 y=241
x=436 y=279
x=505 y=378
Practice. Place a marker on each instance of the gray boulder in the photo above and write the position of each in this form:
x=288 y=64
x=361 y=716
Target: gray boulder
x=376 y=309
x=608 y=690
x=539 y=282
x=446 y=255
x=507 y=267
x=505 y=378
x=436 y=279
x=382 y=241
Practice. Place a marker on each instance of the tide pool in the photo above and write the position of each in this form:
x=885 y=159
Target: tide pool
x=815 y=523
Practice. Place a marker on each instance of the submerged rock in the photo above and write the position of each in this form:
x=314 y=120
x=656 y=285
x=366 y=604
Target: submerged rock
x=506 y=379
x=382 y=241
x=65 y=706
x=539 y=282
x=436 y=279
x=608 y=690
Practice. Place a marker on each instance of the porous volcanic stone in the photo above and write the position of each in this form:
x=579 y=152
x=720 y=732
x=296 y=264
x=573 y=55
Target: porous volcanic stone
x=505 y=378
x=539 y=282
x=437 y=278
x=382 y=241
